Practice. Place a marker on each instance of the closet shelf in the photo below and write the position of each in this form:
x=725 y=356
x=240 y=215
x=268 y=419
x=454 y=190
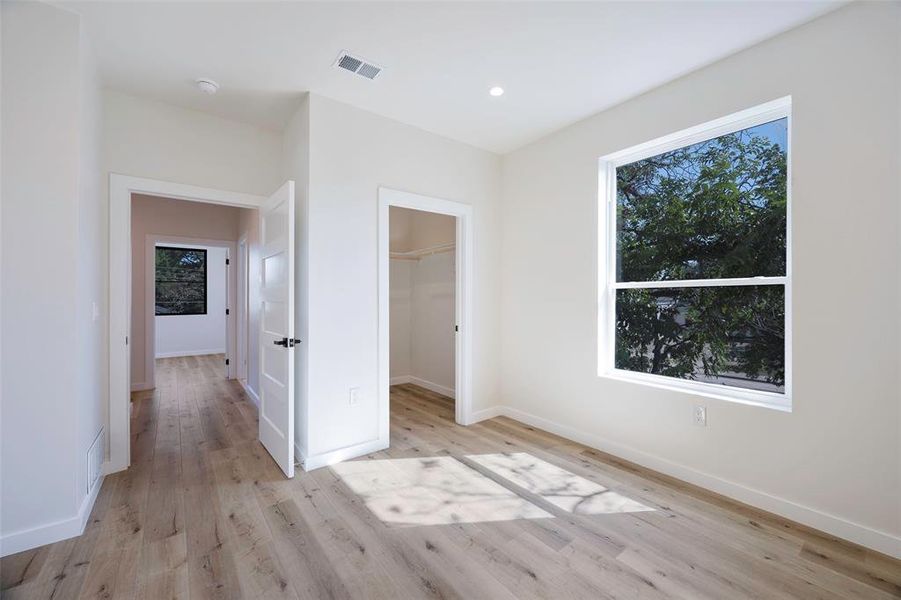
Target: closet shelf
x=423 y=252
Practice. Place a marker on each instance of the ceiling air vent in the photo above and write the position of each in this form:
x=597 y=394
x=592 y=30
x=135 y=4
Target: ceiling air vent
x=357 y=65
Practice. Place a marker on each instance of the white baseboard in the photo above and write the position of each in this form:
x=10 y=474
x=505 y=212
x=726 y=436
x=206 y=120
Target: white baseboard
x=189 y=353
x=316 y=461
x=141 y=387
x=26 y=539
x=485 y=414
x=434 y=387
x=881 y=541
x=249 y=390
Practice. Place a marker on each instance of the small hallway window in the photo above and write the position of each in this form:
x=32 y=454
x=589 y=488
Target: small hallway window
x=181 y=281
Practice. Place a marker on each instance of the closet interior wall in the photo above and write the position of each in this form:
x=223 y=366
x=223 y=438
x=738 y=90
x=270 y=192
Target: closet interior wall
x=422 y=282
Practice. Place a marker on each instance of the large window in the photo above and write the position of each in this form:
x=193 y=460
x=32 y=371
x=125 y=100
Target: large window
x=180 y=281
x=696 y=284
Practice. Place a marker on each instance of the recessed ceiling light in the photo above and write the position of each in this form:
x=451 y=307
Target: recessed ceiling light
x=207 y=86
x=496 y=91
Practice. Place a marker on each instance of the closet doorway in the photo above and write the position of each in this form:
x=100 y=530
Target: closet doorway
x=425 y=296
x=422 y=284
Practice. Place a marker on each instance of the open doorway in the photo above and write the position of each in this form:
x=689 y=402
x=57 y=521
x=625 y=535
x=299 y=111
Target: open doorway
x=202 y=226
x=422 y=281
x=425 y=301
x=184 y=287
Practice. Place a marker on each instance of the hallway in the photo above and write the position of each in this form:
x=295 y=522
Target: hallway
x=205 y=513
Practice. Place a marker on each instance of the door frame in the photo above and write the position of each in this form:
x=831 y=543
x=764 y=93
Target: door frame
x=151 y=240
x=462 y=299
x=121 y=188
x=242 y=302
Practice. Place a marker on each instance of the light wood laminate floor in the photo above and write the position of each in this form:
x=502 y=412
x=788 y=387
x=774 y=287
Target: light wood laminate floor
x=498 y=510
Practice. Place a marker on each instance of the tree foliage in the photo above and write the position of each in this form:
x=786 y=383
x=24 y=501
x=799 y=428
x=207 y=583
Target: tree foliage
x=180 y=281
x=716 y=209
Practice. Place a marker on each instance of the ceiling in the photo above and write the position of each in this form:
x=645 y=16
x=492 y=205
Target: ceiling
x=558 y=61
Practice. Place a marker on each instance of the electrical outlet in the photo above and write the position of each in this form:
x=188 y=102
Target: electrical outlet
x=700 y=415
x=354 y=396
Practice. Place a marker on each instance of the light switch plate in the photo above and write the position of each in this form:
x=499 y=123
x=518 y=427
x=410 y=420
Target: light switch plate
x=700 y=415
x=354 y=396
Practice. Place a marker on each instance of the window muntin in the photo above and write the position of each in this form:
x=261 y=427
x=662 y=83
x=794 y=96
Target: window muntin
x=697 y=286
x=181 y=281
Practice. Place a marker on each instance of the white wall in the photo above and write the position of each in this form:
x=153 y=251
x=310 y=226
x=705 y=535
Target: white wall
x=400 y=292
x=92 y=392
x=151 y=139
x=433 y=341
x=151 y=215
x=50 y=220
x=418 y=229
x=352 y=152
x=422 y=316
x=834 y=461
x=190 y=335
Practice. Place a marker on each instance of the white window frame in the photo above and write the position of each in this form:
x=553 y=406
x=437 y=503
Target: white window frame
x=607 y=284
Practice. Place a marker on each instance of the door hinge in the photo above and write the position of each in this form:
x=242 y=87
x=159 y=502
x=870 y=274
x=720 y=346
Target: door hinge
x=226 y=361
x=126 y=340
x=226 y=311
x=456 y=328
x=227 y=262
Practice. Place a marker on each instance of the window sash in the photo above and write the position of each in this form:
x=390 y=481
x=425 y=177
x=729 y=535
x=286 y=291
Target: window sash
x=607 y=252
x=692 y=283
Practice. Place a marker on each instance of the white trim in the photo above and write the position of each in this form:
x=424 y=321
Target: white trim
x=463 y=299
x=607 y=284
x=424 y=383
x=193 y=353
x=757 y=115
x=55 y=531
x=684 y=283
x=881 y=541
x=434 y=387
x=488 y=413
x=317 y=461
x=254 y=397
x=702 y=388
x=242 y=305
x=121 y=188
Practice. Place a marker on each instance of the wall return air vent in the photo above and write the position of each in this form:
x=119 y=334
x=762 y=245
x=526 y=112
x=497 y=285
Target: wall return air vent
x=357 y=65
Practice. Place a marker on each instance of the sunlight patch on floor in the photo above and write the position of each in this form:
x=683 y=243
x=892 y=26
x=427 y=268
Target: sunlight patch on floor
x=442 y=490
x=432 y=491
x=556 y=485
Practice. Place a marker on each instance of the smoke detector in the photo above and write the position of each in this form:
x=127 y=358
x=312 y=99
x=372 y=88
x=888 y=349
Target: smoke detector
x=357 y=65
x=207 y=86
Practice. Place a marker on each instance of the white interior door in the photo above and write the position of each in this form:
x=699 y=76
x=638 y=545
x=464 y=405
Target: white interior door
x=277 y=327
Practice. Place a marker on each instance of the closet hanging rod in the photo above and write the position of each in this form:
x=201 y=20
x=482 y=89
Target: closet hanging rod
x=422 y=252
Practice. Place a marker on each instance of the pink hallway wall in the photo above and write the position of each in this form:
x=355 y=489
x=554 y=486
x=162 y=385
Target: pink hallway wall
x=165 y=216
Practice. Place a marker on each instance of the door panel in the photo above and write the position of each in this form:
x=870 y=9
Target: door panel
x=277 y=327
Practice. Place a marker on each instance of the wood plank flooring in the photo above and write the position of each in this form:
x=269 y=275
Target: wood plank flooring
x=203 y=512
